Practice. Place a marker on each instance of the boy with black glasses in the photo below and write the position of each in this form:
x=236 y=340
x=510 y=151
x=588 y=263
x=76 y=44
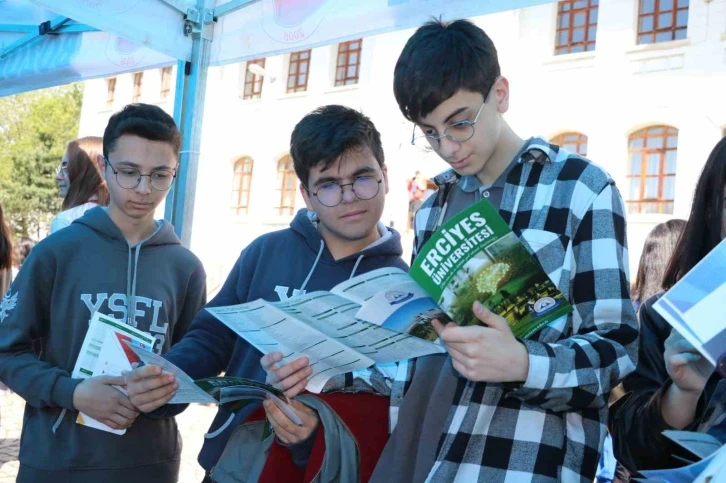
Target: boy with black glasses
x=122 y=263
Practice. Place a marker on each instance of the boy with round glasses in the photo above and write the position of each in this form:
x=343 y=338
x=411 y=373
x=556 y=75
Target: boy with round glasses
x=339 y=160
x=497 y=408
x=120 y=262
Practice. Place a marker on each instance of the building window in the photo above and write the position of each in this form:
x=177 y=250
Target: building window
x=286 y=186
x=574 y=142
x=652 y=170
x=662 y=21
x=138 y=81
x=165 y=82
x=253 y=82
x=347 y=67
x=297 y=74
x=576 y=26
x=110 y=92
x=242 y=184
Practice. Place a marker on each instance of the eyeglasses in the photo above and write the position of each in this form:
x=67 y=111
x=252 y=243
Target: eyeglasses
x=61 y=167
x=457 y=132
x=129 y=178
x=331 y=194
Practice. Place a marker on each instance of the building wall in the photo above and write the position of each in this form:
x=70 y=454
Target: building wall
x=606 y=94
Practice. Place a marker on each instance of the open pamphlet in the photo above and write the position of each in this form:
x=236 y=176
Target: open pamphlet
x=709 y=459
x=105 y=352
x=385 y=315
x=694 y=306
x=234 y=392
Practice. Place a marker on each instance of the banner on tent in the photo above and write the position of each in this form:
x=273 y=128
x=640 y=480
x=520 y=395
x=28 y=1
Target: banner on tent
x=289 y=25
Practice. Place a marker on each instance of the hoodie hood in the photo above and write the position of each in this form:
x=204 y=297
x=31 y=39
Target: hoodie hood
x=305 y=224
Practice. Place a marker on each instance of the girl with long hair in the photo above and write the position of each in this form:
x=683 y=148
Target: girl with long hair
x=86 y=188
x=672 y=383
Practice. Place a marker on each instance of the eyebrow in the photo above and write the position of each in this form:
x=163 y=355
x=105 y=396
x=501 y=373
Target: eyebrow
x=453 y=114
x=334 y=179
x=129 y=164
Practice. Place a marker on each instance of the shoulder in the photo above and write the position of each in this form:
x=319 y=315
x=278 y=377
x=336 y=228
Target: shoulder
x=652 y=324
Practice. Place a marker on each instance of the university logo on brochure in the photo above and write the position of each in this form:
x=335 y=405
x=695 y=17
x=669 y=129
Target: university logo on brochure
x=396 y=297
x=7 y=305
x=292 y=21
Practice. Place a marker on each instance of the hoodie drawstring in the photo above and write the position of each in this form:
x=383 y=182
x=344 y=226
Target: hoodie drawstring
x=317 y=259
x=355 y=267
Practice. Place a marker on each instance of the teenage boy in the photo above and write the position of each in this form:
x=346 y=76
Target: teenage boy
x=498 y=408
x=338 y=158
x=122 y=263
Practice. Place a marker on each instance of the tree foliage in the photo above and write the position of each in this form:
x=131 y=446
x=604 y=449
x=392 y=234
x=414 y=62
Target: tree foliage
x=34 y=130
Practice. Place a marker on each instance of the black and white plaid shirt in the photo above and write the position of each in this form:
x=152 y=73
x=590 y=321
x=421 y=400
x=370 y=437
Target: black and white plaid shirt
x=570 y=215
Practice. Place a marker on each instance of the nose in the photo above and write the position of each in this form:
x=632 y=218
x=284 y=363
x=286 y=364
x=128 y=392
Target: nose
x=59 y=177
x=448 y=148
x=144 y=186
x=348 y=194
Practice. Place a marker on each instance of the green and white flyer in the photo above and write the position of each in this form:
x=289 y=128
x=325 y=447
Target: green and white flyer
x=475 y=256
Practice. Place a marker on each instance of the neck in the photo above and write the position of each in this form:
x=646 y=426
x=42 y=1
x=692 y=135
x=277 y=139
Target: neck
x=133 y=230
x=504 y=152
x=341 y=248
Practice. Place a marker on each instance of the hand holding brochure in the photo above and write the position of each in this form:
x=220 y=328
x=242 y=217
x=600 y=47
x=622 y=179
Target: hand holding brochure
x=694 y=306
x=232 y=391
x=385 y=315
x=104 y=352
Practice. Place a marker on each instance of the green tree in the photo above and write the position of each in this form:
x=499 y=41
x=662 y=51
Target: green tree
x=34 y=130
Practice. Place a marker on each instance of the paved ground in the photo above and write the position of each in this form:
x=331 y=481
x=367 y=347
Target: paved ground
x=193 y=423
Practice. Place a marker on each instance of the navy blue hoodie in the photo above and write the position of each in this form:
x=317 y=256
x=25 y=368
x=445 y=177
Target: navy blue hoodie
x=273 y=267
x=157 y=286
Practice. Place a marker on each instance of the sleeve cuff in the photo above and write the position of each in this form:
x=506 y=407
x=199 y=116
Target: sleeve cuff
x=538 y=371
x=63 y=389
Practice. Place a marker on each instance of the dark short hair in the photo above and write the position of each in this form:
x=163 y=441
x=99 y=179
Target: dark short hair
x=440 y=59
x=703 y=229
x=145 y=121
x=322 y=136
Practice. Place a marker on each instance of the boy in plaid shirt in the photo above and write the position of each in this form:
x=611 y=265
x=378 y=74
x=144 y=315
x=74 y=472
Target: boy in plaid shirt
x=497 y=408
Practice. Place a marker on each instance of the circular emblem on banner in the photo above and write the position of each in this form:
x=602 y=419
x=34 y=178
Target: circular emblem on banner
x=124 y=53
x=292 y=21
x=108 y=7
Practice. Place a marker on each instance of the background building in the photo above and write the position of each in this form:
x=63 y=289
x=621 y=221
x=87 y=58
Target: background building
x=636 y=85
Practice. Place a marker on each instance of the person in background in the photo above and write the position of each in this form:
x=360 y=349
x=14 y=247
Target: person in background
x=657 y=250
x=673 y=383
x=416 y=194
x=80 y=182
x=22 y=250
x=6 y=256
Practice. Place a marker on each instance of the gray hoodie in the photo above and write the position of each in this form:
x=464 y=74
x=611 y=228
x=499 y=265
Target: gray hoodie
x=70 y=275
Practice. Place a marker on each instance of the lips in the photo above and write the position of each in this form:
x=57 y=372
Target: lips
x=353 y=214
x=460 y=164
x=136 y=204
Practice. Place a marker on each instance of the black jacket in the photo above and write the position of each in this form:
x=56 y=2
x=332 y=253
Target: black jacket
x=635 y=421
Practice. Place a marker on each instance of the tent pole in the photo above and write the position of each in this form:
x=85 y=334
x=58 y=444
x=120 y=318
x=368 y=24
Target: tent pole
x=200 y=26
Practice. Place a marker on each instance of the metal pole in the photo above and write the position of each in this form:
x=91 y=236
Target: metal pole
x=178 y=100
x=192 y=112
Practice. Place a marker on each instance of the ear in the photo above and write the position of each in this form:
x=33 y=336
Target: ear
x=384 y=169
x=306 y=197
x=501 y=92
x=101 y=163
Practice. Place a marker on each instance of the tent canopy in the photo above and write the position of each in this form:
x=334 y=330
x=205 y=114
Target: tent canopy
x=44 y=43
